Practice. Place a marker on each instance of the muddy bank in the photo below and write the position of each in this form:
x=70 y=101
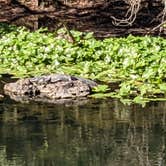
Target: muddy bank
x=104 y=19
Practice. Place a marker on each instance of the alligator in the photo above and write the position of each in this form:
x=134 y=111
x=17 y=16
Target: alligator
x=54 y=86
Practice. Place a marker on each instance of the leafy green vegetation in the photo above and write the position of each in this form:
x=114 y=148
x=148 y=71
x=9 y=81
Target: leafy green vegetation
x=137 y=64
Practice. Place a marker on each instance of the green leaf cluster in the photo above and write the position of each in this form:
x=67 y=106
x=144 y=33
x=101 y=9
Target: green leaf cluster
x=137 y=64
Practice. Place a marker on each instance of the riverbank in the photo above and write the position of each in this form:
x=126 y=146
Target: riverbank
x=105 y=19
x=136 y=64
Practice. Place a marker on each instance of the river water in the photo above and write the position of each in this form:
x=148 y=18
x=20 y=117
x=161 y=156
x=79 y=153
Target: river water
x=86 y=133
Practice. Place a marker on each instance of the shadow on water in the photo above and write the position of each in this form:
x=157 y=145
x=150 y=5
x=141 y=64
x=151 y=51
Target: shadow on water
x=94 y=133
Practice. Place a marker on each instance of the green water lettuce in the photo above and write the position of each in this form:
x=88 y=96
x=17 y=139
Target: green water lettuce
x=136 y=64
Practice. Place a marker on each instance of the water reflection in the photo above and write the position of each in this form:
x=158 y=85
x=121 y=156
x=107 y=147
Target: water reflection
x=96 y=133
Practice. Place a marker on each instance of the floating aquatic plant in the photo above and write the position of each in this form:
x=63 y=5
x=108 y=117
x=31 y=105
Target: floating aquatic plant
x=136 y=64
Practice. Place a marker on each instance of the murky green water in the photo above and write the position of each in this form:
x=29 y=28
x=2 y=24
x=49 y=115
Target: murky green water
x=86 y=133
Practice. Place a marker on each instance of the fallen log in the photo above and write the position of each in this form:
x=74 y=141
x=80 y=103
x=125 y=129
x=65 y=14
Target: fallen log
x=54 y=86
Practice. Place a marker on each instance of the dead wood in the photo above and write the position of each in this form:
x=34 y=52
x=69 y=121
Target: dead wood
x=128 y=15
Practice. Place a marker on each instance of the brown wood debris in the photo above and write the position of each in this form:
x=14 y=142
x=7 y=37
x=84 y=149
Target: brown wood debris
x=121 y=16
